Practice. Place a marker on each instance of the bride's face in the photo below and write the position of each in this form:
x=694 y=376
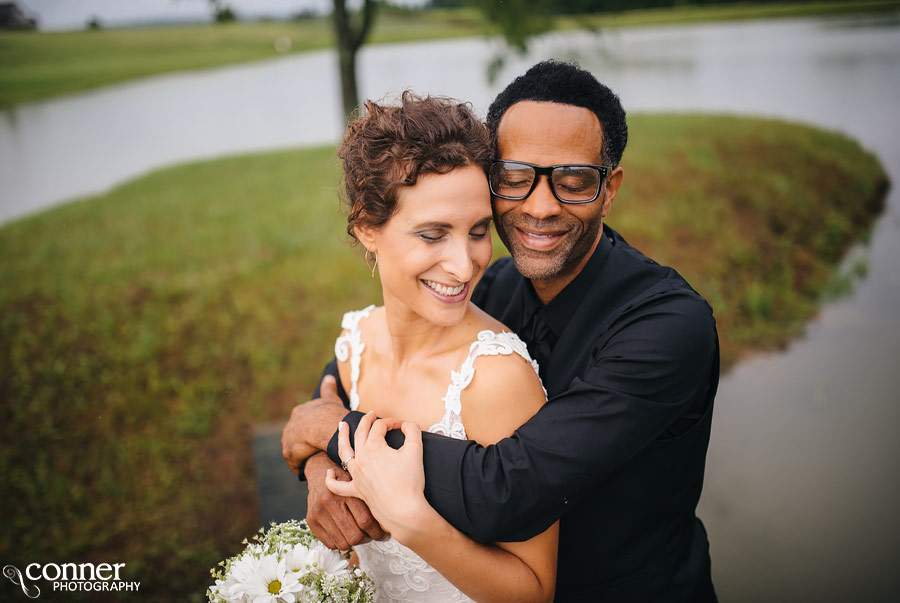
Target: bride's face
x=436 y=246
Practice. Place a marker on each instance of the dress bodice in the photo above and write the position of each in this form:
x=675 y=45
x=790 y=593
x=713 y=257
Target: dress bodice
x=398 y=572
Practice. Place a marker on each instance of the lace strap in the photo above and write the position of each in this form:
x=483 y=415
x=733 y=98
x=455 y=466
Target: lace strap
x=350 y=346
x=489 y=343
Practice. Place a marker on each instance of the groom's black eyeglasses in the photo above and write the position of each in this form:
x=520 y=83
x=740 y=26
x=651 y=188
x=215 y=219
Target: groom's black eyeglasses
x=572 y=183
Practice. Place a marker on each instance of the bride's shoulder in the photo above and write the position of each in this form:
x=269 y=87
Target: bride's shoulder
x=505 y=390
x=504 y=393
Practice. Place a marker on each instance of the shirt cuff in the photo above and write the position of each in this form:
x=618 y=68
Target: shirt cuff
x=352 y=420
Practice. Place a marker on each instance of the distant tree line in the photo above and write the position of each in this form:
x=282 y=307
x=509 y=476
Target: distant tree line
x=569 y=7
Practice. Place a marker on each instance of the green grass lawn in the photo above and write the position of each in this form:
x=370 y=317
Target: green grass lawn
x=721 y=12
x=143 y=332
x=41 y=65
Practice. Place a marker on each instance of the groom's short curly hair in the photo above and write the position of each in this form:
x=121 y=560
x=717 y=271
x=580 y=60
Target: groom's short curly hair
x=568 y=84
x=388 y=146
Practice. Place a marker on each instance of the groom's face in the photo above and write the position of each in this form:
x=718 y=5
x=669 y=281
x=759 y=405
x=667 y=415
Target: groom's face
x=550 y=240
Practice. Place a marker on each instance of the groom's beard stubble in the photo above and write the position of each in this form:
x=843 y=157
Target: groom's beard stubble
x=533 y=264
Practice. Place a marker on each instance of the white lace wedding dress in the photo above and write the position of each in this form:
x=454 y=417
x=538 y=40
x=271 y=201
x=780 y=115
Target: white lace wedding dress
x=399 y=573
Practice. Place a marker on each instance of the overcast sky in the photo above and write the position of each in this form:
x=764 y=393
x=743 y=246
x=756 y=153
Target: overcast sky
x=74 y=14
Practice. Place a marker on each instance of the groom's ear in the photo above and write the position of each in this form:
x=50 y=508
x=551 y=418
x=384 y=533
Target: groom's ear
x=366 y=236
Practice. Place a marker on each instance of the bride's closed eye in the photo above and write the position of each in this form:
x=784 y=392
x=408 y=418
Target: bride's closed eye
x=481 y=230
x=431 y=236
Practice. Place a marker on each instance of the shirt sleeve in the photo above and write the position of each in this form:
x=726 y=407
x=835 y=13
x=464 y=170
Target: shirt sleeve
x=330 y=369
x=657 y=363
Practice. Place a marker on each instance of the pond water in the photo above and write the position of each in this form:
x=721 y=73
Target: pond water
x=803 y=485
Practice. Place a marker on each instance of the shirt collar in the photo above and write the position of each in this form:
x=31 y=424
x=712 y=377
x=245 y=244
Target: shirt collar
x=562 y=307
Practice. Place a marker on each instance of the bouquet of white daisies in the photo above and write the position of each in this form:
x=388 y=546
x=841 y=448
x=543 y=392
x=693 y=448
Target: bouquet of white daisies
x=288 y=564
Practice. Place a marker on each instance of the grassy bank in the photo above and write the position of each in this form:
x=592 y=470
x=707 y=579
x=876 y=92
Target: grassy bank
x=735 y=12
x=41 y=65
x=144 y=331
x=755 y=214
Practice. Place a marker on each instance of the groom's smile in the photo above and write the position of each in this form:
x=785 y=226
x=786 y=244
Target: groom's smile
x=539 y=240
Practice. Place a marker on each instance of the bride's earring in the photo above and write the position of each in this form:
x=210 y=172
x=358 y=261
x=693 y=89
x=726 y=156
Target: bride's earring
x=373 y=265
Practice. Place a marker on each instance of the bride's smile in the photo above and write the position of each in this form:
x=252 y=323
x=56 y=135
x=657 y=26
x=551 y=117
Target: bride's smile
x=447 y=293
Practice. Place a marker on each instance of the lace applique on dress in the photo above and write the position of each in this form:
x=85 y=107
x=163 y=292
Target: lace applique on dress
x=400 y=575
x=350 y=345
x=489 y=343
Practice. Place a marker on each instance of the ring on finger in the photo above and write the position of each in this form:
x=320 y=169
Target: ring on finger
x=344 y=463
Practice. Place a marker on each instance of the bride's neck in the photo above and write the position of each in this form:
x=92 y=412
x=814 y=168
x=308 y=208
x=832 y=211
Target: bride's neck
x=413 y=337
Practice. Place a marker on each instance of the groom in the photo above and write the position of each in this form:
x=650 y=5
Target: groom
x=628 y=354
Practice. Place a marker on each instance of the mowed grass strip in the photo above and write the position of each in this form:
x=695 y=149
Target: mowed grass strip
x=37 y=65
x=143 y=332
x=45 y=64
x=740 y=11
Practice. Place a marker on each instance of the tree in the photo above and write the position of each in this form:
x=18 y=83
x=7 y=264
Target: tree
x=222 y=12
x=516 y=20
x=351 y=31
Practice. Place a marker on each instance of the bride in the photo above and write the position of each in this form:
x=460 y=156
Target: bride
x=419 y=203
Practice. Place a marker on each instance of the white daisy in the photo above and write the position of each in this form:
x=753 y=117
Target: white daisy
x=273 y=583
x=298 y=559
x=241 y=573
x=219 y=591
x=329 y=560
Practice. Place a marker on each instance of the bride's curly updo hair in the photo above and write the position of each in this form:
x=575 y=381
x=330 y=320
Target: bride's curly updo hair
x=389 y=146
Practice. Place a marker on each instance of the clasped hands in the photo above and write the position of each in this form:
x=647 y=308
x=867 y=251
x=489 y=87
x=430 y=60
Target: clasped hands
x=391 y=482
x=380 y=474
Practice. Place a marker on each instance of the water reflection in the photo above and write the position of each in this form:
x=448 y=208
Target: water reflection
x=84 y=144
x=802 y=485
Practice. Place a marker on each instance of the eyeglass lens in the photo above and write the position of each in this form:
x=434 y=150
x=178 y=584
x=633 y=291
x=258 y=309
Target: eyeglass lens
x=576 y=183
x=570 y=183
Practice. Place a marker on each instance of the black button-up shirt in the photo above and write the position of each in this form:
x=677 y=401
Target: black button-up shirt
x=619 y=450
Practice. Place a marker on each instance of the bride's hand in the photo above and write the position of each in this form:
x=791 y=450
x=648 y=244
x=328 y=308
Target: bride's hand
x=392 y=482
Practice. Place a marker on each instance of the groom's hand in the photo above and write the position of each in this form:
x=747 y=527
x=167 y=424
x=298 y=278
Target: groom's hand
x=311 y=426
x=337 y=521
